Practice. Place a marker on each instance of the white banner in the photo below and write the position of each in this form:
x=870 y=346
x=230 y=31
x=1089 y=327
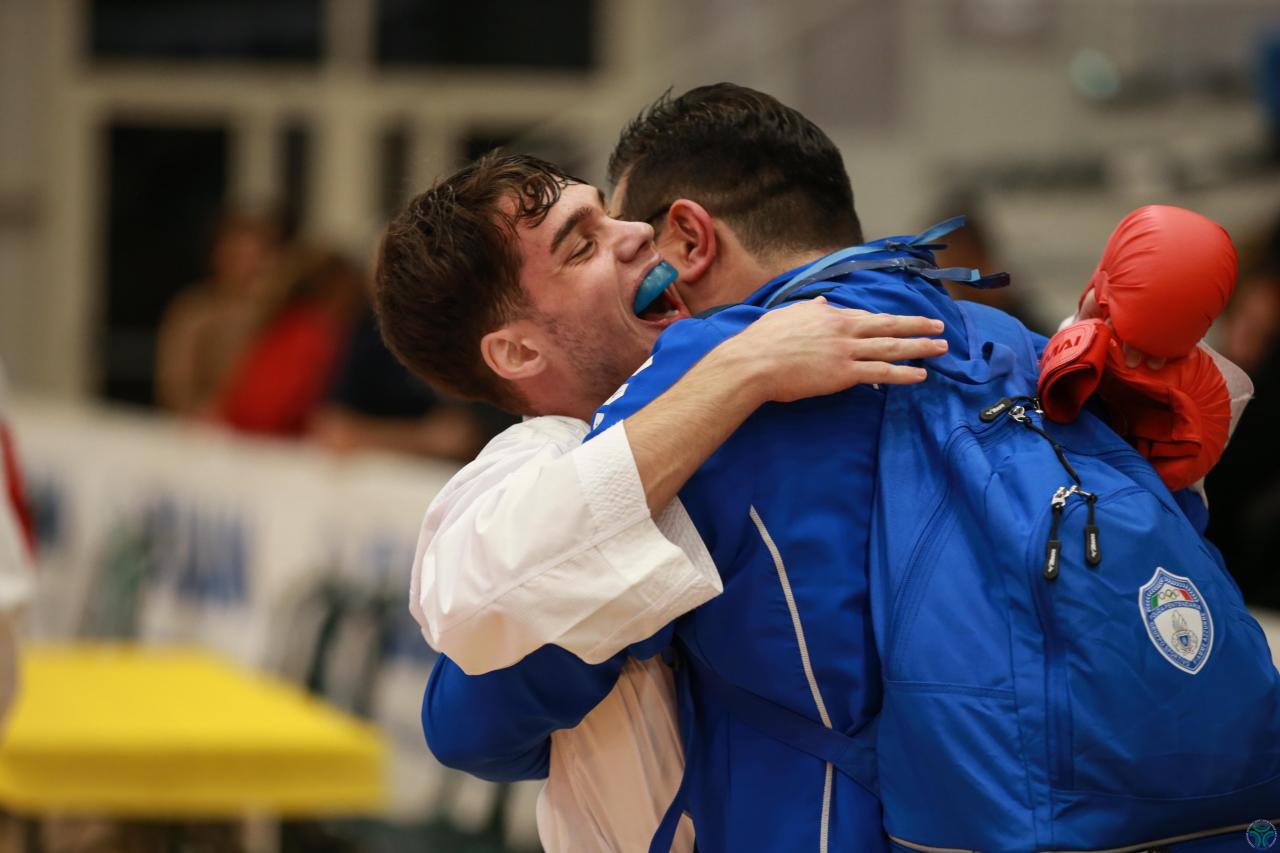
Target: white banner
x=282 y=556
x=180 y=532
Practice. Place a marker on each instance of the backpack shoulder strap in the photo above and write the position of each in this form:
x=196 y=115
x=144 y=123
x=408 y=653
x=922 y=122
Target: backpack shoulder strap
x=853 y=755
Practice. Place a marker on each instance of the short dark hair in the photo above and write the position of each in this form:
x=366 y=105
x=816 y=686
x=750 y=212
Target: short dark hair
x=448 y=271
x=764 y=168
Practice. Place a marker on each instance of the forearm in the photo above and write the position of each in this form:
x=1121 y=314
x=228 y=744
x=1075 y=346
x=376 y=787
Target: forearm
x=671 y=437
x=805 y=350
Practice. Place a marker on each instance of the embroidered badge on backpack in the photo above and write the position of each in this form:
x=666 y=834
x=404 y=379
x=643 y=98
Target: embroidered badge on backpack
x=1177 y=620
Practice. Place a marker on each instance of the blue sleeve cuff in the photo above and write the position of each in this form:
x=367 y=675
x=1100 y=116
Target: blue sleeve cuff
x=498 y=726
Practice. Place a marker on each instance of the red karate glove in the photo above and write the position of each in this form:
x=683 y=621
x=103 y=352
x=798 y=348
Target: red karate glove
x=1071 y=368
x=1178 y=417
x=1164 y=277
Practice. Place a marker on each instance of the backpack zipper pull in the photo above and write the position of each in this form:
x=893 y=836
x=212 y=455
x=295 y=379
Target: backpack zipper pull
x=1053 y=548
x=995 y=410
x=1002 y=406
x=1019 y=409
x=1092 y=548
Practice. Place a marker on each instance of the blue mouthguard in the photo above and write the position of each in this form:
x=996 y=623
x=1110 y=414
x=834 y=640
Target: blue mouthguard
x=659 y=279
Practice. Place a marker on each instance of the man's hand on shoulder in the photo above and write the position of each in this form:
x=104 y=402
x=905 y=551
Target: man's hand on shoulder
x=812 y=348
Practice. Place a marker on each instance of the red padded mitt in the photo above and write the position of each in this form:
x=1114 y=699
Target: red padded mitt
x=1164 y=277
x=1178 y=417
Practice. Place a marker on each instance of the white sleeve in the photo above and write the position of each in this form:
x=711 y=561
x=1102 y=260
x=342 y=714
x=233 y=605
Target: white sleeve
x=545 y=540
x=1239 y=385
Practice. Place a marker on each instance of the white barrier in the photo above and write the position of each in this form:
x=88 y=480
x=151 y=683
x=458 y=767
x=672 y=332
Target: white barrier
x=237 y=529
x=174 y=532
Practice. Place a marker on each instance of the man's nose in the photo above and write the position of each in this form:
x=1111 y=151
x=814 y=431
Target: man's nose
x=635 y=238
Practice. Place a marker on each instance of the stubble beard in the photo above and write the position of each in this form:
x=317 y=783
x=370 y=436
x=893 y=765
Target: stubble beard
x=599 y=365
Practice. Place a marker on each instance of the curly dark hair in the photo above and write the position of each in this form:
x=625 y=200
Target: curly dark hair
x=448 y=271
x=761 y=166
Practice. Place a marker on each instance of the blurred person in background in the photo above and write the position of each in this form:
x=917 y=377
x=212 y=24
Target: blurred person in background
x=207 y=326
x=376 y=403
x=1269 y=89
x=972 y=247
x=282 y=376
x=1245 y=486
x=1250 y=327
x=17 y=552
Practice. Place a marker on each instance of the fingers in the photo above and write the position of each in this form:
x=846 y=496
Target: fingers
x=897 y=349
x=867 y=325
x=816 y=311
x=856 y=322
x=882 y=373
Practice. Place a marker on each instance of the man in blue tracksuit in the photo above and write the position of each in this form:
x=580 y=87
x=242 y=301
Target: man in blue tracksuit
x=784 y=507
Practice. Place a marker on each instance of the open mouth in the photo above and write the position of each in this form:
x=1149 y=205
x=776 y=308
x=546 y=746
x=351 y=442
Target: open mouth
x=653 y=300
x=660 y=309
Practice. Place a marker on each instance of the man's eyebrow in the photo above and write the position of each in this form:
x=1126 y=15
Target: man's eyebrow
x=575 y=219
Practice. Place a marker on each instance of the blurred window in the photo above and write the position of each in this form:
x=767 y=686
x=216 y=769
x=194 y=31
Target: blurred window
x=295 y=171
x=548 y=145
x=550 y=34
x=483 y=140
x=165 y=189
x=278 y=30
x=394 y=188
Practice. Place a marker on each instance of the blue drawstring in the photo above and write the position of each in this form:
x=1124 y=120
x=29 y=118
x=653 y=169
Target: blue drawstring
x=843 y=262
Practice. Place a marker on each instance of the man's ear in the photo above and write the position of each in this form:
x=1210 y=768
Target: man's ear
x=689 y=240
x=512 y=353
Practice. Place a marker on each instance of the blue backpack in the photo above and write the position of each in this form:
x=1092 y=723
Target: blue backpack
x=1067 y=663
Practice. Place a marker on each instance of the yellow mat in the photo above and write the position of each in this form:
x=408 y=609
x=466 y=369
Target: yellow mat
x=156 y=732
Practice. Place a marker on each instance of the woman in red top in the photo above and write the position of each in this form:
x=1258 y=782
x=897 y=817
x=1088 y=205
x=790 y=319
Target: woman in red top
x=284 y=374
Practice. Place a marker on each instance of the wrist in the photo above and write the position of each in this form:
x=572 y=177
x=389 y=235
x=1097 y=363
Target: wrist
x=748 y=370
